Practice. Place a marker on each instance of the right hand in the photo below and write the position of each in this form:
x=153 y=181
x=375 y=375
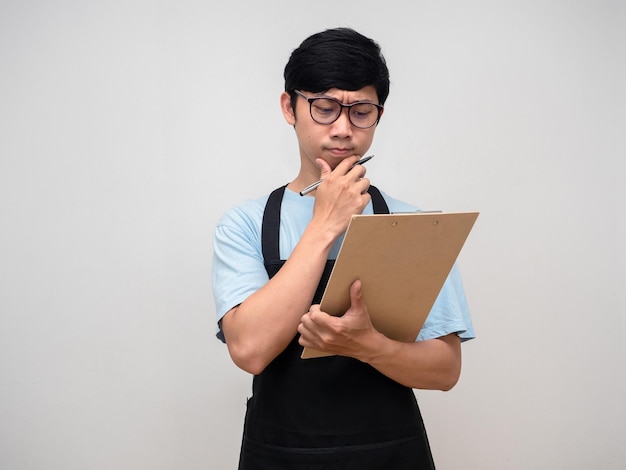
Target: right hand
x=342 y=194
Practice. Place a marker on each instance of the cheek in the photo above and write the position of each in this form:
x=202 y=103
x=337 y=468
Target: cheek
x=366 y=140
x=307 y=134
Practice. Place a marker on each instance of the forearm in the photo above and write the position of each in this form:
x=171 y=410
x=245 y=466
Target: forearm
x=432 y=364
x=261 y=327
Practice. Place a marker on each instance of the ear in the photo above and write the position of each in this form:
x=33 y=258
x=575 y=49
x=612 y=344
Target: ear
x=285 y=106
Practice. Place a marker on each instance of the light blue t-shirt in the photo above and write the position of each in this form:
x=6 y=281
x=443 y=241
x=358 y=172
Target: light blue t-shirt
x=238 y=269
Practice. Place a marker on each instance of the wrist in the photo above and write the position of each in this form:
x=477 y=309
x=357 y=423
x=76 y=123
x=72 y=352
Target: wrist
x=321 y=234
x=376 y=348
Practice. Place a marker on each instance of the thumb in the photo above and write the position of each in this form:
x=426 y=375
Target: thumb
x=325 y=168
x=356 y=295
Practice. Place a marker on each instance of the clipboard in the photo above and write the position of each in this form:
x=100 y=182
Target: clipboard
x=403 y=261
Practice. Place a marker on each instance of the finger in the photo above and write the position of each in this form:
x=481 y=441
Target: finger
x=325 y=168
x=302 y=328
x=358 y=172
x=308 y=322
x=350 y=163
x=365 y=185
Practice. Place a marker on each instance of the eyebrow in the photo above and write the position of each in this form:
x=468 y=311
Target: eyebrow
x=319 y=95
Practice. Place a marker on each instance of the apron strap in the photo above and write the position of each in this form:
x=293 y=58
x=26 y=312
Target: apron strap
x=378 y=201
x=270 y=229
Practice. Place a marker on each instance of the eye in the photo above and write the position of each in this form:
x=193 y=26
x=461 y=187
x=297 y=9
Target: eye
x=363 y=110
x=325 y=107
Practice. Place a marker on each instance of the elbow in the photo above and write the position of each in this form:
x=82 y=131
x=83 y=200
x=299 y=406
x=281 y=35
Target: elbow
x=245 y=350
x=247 y=359
x=447 y=385
x=450 y=379
x=451 y=366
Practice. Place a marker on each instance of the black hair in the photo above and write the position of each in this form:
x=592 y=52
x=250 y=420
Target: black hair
x=337 y=58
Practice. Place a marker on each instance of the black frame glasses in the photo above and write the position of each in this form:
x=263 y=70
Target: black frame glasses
x=328 y=110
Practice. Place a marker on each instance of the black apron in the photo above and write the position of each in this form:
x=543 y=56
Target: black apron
x=332 y=412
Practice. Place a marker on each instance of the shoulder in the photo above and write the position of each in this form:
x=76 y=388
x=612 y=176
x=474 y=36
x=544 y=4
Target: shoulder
x=238 y=230
x=247 y=214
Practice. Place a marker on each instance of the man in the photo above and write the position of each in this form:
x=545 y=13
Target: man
x=356 y=409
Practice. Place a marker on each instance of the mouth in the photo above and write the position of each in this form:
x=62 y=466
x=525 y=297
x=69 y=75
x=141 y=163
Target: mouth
x=340 y=152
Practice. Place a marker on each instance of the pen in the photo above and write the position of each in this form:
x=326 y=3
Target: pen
x=313 y=186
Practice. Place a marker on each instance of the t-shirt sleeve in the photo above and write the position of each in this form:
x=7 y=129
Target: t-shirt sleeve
x=238 y=270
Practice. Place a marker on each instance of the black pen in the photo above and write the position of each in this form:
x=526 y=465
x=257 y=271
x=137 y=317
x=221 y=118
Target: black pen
x=313 y=186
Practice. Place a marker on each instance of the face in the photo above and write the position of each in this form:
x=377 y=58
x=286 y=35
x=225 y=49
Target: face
x=332 y=142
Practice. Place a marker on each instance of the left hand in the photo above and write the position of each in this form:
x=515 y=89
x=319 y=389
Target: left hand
x=349 y=335
x=433 y=364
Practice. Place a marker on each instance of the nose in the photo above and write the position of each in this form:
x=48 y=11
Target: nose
x=342 y=127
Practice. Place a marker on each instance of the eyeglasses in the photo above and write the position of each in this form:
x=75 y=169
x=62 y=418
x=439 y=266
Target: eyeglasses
x=362 y=114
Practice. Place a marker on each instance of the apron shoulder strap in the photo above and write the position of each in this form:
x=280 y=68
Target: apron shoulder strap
x=270 y=227
x=378 y=201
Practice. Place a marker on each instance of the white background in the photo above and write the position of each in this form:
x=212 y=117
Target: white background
x=128 y=127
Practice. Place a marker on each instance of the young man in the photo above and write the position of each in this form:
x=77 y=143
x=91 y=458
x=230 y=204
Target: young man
x=356 y=409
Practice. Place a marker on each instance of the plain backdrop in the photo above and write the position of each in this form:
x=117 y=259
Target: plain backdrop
x=128 y=127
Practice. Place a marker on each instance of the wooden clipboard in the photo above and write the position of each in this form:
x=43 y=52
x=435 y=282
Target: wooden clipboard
x=403 y=261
